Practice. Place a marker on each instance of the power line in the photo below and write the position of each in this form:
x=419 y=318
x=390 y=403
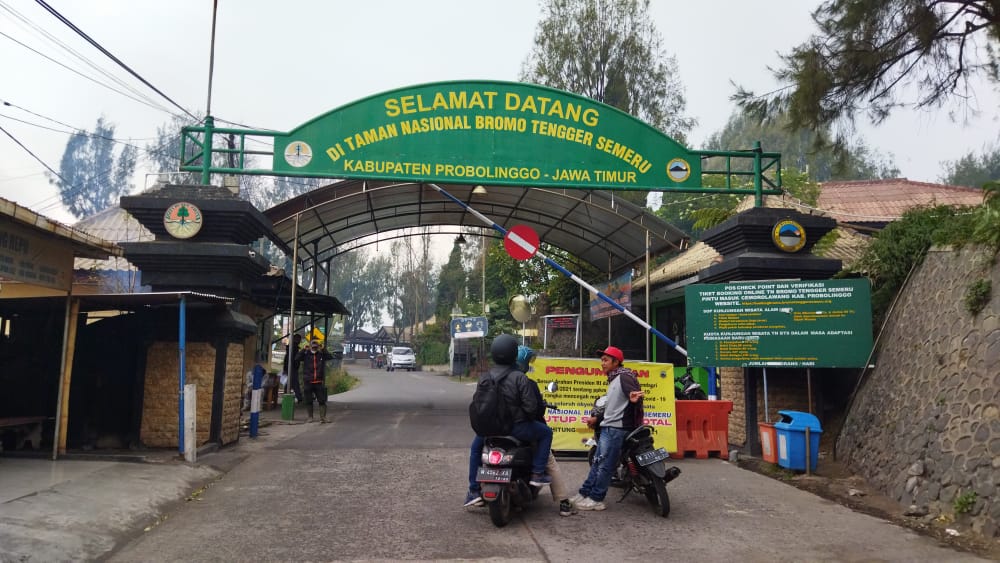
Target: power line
x=51 y=38
x=95 y=81
x=99 y=47
x=33 y=155
x=84 y=132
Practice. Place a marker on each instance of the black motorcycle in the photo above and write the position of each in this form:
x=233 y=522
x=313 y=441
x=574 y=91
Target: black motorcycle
x=505 y=474
x=504 y=477
x=687 y=389
x=641 y=467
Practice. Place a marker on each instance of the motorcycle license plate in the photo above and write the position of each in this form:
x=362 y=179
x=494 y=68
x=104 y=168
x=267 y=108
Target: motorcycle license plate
x=651 y=457
x=494 y=475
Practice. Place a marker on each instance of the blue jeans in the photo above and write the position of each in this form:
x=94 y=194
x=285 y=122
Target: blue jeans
x=541 y=435
x=475 y=460
x=609 y=448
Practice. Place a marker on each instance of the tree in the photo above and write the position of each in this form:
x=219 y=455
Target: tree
x=973 y=170
x=903 y=244
x=91 y=178
x=799 y=149
x=867 y=54
x=451 y=286
x=164 y=153
x=164 y=156
x=361 y=283
x=700 y=212
x=411 y=283
x=610 y=51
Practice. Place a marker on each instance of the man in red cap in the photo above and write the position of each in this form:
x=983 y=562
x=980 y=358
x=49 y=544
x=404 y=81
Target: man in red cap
x=622 y=414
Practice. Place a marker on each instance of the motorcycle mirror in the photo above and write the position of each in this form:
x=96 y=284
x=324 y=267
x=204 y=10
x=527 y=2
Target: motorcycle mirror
x=552 y=387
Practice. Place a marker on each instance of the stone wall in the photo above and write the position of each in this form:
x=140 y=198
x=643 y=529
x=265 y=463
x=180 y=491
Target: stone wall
x=159 y=412
x=233 y=399
x=925 y=426
x=731 y=389
x=786 y=390
x=561 y=342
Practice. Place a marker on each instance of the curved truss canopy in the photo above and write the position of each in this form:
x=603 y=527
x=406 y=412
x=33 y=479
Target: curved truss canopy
x=607 y=232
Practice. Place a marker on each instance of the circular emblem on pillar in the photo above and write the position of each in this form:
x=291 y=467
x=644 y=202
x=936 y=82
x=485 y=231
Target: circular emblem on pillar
x=182 y=220
x=788 y=236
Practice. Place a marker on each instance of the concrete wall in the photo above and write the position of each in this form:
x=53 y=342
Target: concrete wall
x=925 y=426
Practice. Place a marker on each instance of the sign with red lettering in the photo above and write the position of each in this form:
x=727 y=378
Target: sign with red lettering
x=521 y=242
x=581 y=381
x=563 y=321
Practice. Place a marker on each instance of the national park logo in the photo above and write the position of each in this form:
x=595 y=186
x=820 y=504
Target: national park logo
x=788 y=236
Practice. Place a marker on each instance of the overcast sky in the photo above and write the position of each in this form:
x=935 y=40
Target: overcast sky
x=280 y=63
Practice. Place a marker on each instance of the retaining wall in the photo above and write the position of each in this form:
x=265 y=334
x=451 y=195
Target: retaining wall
x=925 y=425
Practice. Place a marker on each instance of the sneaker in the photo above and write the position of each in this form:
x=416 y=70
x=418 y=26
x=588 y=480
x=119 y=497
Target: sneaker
x=473 y=499
x=310 y=419
x=323 y=420
x=575 y=499
x=540 y=480
x=566 y=508
x=590 y=504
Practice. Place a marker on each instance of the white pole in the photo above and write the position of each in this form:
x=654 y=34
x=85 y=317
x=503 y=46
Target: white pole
x=190 y=422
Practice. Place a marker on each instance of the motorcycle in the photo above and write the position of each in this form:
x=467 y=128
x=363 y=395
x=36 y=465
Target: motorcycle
x=641 y=467
x=504 y=477
x=505 y=474
x=687 y=389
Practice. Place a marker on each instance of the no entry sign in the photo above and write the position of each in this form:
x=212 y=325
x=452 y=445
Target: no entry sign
x=521 y=242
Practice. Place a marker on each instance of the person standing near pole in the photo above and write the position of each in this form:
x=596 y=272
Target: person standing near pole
x=313 y=360
x=256 y=380
x=292 y=366
x=622 y=414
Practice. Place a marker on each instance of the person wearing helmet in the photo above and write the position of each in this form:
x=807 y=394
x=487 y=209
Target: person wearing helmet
x=522 y=398
x=525 y=357
x=313 y=361
x=622 y=414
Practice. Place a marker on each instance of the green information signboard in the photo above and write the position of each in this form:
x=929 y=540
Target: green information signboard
x=822 y=323
x=496 y=133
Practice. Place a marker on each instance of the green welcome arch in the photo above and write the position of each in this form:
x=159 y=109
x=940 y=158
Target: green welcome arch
x=484 y=132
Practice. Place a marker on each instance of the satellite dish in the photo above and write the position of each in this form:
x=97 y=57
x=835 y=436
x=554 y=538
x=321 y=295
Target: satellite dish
x=520 y=309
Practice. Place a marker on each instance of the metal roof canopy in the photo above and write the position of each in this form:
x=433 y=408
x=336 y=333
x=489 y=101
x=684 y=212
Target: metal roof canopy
x=607 y=232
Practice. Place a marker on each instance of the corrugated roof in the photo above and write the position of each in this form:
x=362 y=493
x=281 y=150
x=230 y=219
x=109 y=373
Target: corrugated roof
x=591 y=225
x=113 y=224
x=82 y=242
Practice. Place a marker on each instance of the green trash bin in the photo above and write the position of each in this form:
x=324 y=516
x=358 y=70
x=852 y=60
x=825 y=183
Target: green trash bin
x=288 y=406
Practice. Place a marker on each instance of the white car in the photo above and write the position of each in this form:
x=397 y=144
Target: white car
x=401 y=357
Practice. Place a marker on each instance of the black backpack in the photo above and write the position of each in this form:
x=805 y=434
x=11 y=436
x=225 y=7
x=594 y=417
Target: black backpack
x=488 y=411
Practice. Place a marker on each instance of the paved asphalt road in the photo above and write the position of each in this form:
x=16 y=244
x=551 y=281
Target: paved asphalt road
x=386 y=480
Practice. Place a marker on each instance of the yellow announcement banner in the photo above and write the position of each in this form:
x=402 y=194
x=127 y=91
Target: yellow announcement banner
x=581 y=381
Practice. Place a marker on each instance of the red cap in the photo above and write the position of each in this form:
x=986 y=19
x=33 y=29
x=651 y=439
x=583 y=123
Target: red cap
x=614 y=353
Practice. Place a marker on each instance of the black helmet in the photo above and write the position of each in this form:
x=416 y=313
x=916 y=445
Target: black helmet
x=504 y=350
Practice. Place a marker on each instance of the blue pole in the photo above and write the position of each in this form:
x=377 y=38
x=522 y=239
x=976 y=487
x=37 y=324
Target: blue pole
x=713 y=392
x=258 y=379
x=569 y=275
x=181 y=376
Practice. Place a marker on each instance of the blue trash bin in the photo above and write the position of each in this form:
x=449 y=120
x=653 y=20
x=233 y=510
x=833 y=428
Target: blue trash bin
x=791 y=431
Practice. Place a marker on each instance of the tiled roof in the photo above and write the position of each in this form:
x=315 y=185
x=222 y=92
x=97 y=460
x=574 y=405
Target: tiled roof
x=855 y=201
x=881 y=201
